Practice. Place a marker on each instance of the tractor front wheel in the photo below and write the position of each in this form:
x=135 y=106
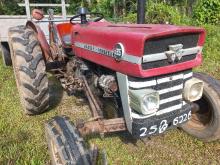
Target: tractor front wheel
x=205 y=121
x=29 y=69
x=65 y=144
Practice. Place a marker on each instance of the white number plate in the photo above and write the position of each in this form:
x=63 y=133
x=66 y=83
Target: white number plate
x=163 y=125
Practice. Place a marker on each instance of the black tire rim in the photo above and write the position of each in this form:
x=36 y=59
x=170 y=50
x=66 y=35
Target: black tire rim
x=202 y=113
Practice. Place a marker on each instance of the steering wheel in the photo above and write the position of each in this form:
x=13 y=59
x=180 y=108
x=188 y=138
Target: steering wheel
x=82 y=16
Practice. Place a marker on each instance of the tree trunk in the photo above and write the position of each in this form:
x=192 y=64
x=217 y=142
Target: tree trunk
x=115 y=9
x=124 y=8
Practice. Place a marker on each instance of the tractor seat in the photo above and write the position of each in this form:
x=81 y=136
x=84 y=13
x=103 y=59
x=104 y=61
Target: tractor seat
x=67 y=40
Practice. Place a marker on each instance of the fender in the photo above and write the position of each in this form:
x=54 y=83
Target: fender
x=42 y=39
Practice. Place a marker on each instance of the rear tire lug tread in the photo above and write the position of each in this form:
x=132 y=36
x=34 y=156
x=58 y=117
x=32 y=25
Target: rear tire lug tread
x=31 y=46
x=33 y=102
x=19 y=27
x=31 y=88
x=19 y=31
x=27 y=35
x=30 y=112
x=37 y=103
x=42 y=94
x=28 y=72
x=27 y=57
x=39 y=79
x=20 y=40
x=35 y=62
x=39 y=109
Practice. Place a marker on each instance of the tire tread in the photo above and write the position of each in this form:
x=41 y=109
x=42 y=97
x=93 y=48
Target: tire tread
x=71 y=147
x=28 y=61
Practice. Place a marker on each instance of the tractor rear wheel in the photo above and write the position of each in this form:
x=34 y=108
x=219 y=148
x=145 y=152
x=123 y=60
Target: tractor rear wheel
x=29 y=69
x=65 y=144
x=205 y=121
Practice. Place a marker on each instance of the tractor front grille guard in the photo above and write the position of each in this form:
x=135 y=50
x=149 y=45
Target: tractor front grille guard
x=154 y=48
x=169 y=86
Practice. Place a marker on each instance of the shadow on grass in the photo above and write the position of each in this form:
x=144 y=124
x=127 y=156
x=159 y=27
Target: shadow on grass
x=124 y=136
x=55 y=92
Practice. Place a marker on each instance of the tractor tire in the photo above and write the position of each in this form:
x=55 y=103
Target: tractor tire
x=66 y=147
x=6 y=57
x=205 y=121
x=29 y=69
x=6 y=47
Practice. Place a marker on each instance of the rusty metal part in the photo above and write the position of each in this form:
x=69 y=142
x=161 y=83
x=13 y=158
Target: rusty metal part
x=70 y=84
x=55 y=43
x=68 y=80
x=95 y=108
x=66 y=75
x=71 y=67
x=57 y=52
x=108 y=84
x=113 y=86
x=102 y=126
x=42 y=39
x=53 y=51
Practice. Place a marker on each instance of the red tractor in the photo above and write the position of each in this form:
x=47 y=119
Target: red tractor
x=143 y=70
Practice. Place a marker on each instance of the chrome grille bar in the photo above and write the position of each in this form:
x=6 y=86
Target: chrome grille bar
x=170 y=95
x=162 y=56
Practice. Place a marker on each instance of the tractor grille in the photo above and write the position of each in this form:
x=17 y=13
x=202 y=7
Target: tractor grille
x=161 y=63
x=170 y=88
x=161 y=45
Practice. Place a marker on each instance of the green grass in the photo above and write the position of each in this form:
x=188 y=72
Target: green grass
x=22 y=139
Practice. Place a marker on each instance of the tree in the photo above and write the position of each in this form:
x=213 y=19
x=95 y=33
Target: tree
x=10 y=7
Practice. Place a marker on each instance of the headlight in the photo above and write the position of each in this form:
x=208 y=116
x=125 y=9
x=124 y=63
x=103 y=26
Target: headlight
x=145 y=101
x=193 y=90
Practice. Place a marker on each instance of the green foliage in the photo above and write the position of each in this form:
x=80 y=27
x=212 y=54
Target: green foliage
x=158 y=13
x=211 y=51
x=10 y=7
x=162 y=13
x=130 y=18
x=212 y=45
x=105 y=7
x=74 y=5
x=207 y=12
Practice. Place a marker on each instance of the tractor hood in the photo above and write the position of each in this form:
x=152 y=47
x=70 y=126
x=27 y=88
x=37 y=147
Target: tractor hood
x=104 y=43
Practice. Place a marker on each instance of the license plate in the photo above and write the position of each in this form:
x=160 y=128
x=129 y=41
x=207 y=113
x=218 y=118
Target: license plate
x=163 y=125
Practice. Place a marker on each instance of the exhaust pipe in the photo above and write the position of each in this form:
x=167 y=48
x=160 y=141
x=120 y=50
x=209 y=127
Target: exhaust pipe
x=141 y=5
